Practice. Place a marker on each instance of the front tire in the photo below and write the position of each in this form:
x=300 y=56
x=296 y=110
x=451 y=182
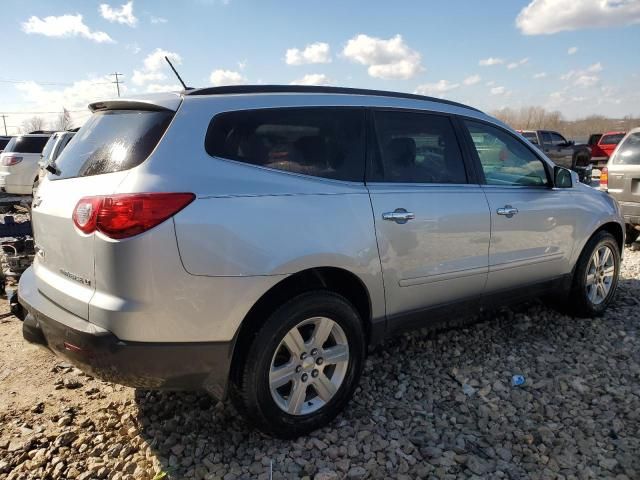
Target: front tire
x=596 y=276
x=302 y=366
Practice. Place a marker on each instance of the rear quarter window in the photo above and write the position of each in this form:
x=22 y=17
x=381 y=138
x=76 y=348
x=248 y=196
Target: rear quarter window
x=321 y=142
x=112 y=141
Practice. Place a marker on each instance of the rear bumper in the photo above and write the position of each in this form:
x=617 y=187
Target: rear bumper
x=148 y=365
x=631 y=212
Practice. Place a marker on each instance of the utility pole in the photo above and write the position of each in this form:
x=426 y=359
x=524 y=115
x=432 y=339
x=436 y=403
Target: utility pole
x=117 y=81
x=4 y=120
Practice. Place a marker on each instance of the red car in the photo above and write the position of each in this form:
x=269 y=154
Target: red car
x=602 y=150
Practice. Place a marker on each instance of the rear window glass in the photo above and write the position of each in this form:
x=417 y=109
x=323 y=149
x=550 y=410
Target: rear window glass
x=26 y=144
x=322 y=142
x=112 y=141
x=531 y=136
x=628 y=152
x=612 y=139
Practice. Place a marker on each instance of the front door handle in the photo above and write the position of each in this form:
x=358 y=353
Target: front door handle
x=399 y=215
x=508 y=211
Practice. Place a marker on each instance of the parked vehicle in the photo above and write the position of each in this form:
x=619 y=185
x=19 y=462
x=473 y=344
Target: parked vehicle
x=19 y=163
x=621 y=178
x=3 y=142
x=254 y=240
x=52 y=150
x=562 y=151
x=602 y=150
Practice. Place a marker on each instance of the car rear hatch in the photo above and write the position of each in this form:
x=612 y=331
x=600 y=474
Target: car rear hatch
x=119 y=135
x=624 y=170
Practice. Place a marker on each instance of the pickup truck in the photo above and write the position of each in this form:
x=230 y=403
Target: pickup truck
x=564 y=153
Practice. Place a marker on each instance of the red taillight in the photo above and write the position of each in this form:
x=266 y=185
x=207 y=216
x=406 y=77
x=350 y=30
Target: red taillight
x=9 y=160
x=604 y=178
x=126 y=215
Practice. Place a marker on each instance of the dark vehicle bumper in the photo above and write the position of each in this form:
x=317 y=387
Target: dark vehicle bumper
x=98 y=352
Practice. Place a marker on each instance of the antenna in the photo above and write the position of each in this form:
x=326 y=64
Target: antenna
x=176 y=72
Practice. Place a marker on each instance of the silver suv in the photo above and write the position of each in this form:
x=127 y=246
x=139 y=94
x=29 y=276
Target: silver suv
x=254 y=241
x=621 y=178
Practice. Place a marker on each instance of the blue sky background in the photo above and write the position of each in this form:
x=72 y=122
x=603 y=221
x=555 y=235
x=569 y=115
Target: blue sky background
x=248 y=40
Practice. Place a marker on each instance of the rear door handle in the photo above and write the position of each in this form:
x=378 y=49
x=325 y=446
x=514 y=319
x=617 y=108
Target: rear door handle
x=508 y=211
x=399 y=215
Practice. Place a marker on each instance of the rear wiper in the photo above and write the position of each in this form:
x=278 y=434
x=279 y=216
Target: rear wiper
x=51 y=167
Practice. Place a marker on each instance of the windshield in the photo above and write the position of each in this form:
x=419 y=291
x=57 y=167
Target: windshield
x=112 y=141
x=628 y=152
x=26 y=144
x=48 y=148
x=612 y=139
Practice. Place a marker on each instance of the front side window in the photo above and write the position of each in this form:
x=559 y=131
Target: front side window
x=546 y=138
x=505 y=160
x=628 y=152
x=417 y=147
x=316 y=141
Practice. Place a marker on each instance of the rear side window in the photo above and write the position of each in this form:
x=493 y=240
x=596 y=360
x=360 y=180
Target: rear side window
x=628 y=152
x=613 y=139
x=26 y=144
x=3 y=143
x=322 y=142
x=112 y=141
x=48 y=148
x=417 y=148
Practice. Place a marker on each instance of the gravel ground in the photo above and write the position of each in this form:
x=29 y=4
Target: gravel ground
x=437 y=405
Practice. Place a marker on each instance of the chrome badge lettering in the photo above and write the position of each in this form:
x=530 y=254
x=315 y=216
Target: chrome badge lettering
x=75 y=277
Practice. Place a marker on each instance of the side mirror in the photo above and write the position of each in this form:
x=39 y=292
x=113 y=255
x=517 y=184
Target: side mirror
x=563 y=177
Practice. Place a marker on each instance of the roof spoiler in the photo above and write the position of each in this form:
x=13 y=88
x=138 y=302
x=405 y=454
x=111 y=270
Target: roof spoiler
x=157 y=102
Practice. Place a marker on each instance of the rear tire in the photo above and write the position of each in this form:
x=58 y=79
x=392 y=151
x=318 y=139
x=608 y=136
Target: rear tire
x=596 y=276
x=632 y=235
x=292 y=381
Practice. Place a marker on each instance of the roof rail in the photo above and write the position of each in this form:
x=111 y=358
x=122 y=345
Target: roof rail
x=247 y=89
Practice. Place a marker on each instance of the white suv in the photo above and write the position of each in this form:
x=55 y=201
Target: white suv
x=19 y=163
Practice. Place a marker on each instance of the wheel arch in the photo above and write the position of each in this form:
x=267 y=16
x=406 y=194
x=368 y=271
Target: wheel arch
x=334 y=279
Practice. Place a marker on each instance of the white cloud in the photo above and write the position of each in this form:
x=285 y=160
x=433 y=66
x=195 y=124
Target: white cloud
x=312 y=79
x=226 y=77
x=517 y=64
x=64 y=26
x=472 y=80
x=490 y=83
x=540 y=75
x=572 y=51
x=543 y=17
x=157 y=20
x=153 y=65
x=385 y=59
x=497 y=91
x=436 y=89
x=318 y=52
x=242 y=64
x=156 y=87
x=488 y=62
x=584 y=78
x=123 y=15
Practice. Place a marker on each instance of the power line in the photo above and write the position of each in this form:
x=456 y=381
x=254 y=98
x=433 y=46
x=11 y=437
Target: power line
x=2 y=80
x=42 y=113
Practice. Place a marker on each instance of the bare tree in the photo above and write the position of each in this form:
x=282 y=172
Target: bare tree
x=64 y=121
x=33 y=124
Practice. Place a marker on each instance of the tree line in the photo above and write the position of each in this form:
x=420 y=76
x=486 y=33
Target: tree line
x=537 y=118
x=62 y=122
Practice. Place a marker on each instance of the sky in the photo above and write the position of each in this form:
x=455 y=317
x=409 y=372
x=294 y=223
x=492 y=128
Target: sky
x=576 y=56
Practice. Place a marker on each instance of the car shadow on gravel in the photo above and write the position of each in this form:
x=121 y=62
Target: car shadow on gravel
x=441 y=403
